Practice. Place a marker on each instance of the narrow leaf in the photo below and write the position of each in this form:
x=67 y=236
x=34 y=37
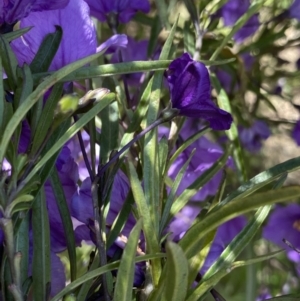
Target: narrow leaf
x=41 y=248
x=125 y=277
x=65 y=216
x=176 y=283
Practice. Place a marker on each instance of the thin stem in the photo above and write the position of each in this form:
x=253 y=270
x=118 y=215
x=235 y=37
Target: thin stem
x=136 y=138
x=100 y=243
x=84 y=154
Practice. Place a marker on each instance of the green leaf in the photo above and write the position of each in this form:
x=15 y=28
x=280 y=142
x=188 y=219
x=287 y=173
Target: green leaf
x=144 y=213
x=262 y=179
x=100 y=271
x=253 y=9
x=187 y=143
x=232 y=133
x=176 y=282
x=150 y=151
x=41 y=248
x=65 y=216
x=125 y=277
x=46 y=118
x=191 y=242
x=238 y=244
x=9 y=64
x=120 y=68
x=22 y=245
x=70 y=133
x=213 y=280
x=172 y=194
x=47 y=50
x=10 y=36
x=191 y=190
x=110 y=129
x=120 y=220
x=35 y=95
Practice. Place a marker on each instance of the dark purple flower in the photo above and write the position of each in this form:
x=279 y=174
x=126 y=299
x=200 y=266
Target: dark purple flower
x=124 y=10
x=232 y=11
x=190 y=90
x=253 y=136
x=15 y=10
x=284 y=223
x=296 y=132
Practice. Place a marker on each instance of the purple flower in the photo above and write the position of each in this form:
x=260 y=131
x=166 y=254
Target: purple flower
x=189 y=86
x=225 y=233
x=294 y=10
x=134 y=51
x=232 y=11
x=82 y=210
x=284 y=223
x=253 y=136
x=124 y=10
x=207 y=153
x=79 y=35
x=296 y=133
x=264 y=295
x=15 y=10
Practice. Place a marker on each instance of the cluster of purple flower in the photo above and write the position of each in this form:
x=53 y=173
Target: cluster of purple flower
x=190 y=94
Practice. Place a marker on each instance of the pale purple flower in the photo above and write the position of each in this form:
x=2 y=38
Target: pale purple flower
x=13 y=11
x=232 y=11
x=123 y=10
x=79 y=35
x=284 y=223
x=294 y=10
x=296 y=132
x=225 y=233
x=190 y=91
x=252 y=137
x=134 y=51
x=206 y=154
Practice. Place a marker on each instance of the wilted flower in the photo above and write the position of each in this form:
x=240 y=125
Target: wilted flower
x=253 y=136
x=296 y=132
x=123 y=10
x=190 y=90
x=232 y=11
x=14 y=10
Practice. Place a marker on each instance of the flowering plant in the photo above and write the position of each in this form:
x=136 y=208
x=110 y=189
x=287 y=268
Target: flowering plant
x=138 y=155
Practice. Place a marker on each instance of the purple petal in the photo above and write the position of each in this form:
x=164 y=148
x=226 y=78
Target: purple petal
x=79 y=36
x=118 y=40
x=12 y=11
x=124 y=9
x=296 y=133
x=284 y=223
x=189 y=85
